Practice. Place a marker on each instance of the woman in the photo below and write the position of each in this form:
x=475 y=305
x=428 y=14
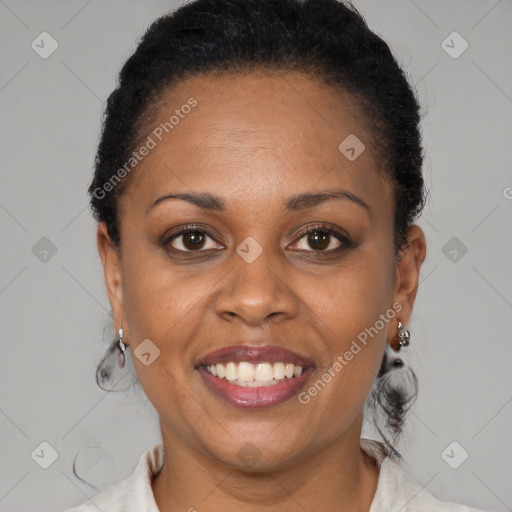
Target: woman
x=256 y=186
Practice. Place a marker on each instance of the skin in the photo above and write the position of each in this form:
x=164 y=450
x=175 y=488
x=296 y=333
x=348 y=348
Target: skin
x=254 y=141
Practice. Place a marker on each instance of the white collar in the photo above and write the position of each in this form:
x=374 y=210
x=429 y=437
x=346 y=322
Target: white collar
x=396 y=489
x=392 y=483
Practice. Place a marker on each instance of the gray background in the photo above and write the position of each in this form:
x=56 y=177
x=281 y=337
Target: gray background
x=55 y=320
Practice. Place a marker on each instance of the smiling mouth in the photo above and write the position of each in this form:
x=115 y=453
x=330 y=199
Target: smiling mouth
x=247 y=374
x=254 y=376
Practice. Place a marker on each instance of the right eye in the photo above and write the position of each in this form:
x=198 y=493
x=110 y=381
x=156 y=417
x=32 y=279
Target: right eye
x=191 y=239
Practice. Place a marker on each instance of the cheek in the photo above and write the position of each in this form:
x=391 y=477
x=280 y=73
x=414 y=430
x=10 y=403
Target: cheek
x=158 y=298
x=352 y=297
x=350 y=313
x=164 y=307
x=355 y=313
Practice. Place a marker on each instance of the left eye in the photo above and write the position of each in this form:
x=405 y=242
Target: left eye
x=192 y=240
x=320 y=239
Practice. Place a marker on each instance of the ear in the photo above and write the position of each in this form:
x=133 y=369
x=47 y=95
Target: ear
x=407 y=272
x=112 y=272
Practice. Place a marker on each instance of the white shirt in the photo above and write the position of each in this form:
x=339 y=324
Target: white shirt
x=396 y=489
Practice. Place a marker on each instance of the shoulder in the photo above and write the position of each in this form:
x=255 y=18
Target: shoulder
x=401 y=491
x=109 y=500
x=398 y=490
x=133 y=493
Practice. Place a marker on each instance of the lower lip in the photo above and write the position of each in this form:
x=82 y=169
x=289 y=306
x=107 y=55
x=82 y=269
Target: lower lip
x=255 y=397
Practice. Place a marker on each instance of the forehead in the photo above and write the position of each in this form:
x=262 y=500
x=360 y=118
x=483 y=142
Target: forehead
x=262 y=134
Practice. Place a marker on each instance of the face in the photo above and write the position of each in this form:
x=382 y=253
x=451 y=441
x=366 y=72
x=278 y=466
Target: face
x=265 y=262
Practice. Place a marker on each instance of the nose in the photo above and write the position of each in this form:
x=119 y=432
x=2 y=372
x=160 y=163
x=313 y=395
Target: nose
x=256 y=293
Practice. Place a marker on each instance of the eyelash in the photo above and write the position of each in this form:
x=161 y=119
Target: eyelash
x=321 y=228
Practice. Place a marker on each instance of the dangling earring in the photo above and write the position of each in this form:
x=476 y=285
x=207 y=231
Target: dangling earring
x=121 y=360
x=111 y=371
x=401 y=340
x=403 y=335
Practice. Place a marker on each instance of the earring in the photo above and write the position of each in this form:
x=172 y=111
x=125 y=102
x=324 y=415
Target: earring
x=121 y=360
x=401 y=340
x=403 y=336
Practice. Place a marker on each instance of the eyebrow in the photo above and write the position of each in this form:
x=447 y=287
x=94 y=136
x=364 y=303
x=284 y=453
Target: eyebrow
x=208 y=201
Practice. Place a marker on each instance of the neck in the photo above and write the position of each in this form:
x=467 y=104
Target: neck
x=340 y=476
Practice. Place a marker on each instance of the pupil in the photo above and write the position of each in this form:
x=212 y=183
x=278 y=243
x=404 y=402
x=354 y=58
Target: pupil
x=193 y=240
x=321 y=240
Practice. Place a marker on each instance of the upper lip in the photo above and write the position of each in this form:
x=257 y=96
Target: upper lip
x=255 y=354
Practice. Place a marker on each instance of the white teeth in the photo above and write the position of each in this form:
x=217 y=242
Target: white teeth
x=264 y=372
x=245 y=372
x=231 y=373
x=279 y=372
x=252 y=375
x=221 y=371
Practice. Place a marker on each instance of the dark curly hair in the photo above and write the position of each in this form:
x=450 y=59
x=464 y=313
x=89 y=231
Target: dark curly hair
x=326 y=39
